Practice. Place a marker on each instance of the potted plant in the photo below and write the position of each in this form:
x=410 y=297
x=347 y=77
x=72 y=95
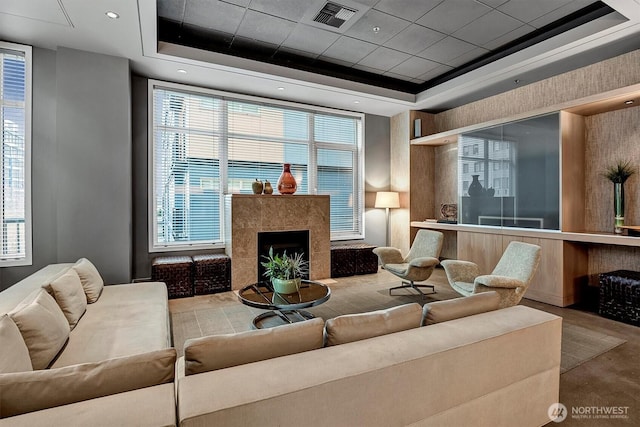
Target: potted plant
x=618 y=174
x=284 y=271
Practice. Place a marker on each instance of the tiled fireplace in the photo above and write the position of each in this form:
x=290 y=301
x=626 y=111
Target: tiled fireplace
x=247 y=215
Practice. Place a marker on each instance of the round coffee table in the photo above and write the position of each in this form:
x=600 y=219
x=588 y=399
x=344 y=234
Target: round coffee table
x=284 y=308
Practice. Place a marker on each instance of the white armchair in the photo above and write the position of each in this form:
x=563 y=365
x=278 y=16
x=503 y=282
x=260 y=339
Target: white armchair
x=510 y=279
x=419 y=262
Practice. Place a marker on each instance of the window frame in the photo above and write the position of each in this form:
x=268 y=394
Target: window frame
x=27 y=51
x=312 y=167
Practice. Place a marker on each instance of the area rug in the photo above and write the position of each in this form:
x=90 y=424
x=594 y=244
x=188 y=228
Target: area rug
x=579 y=345
x=223 y=314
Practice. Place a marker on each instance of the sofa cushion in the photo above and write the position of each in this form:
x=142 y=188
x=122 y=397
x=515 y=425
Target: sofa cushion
x=31 y=391
x=90 y=277
x=442 y=311
x=14 y=354
x=355 y=327
x=69 y=294
x=43 y=327
x=222 y=351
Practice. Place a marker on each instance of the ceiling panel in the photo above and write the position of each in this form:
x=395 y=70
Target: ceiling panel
x=446 y=50
x=226 y=19
x=487 y=28
x=414 y=39
x=40 y=10
x=410 y=10
x=451 y=15
x=560 y=12
x=310 y=39
x=266 y=28
x=292 y=10
x=467 y=57
x=509 y=37
x=349 y=49
x=388 y=27
x=384 y=59
x=414 y=67
x=527 y=11
x=172 y=9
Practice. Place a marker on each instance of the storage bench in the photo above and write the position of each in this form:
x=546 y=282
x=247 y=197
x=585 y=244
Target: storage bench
x=352 y=259
x=176 y=272
x=620 y=296
x=211 y=273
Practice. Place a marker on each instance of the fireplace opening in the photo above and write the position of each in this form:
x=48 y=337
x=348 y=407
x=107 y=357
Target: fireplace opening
x=290 y=241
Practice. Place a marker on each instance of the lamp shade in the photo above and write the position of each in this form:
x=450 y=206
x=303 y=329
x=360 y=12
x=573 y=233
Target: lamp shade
x=387 y=199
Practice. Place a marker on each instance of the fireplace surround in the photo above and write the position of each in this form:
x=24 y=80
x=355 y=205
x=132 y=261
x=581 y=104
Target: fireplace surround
x=246 y=215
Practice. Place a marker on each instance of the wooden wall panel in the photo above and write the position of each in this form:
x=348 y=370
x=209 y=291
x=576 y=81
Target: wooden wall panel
x=572 y=131
x=611 y=74
x=575 y=260
x=400 y=179
x=483 y=249
x=446 y=177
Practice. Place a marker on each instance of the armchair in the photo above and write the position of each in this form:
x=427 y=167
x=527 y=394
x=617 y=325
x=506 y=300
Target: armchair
x=419 y=262
x=510 y=278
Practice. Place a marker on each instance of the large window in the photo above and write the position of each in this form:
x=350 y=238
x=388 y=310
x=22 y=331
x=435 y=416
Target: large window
x=15 y=110
x=207 y=144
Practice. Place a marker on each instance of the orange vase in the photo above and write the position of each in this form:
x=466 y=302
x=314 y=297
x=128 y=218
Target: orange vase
x=286 y=182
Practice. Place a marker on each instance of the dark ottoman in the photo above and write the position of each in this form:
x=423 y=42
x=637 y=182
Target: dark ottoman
x=620 y=296
x=211 y=273
x=347 y=260
x=176 y=272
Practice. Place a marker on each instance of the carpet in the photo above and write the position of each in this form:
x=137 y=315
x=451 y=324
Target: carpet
x=224 y=314
x=579 y=345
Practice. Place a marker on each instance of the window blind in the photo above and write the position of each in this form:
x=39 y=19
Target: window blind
x=14 y=189
x=206 y=145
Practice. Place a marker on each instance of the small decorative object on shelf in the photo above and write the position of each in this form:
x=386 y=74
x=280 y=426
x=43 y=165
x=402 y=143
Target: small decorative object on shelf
x=284 y=271
x=287 y=183
x=449 y=212
x=257 y=186
x=268 y=189
x=618 y=174
x=475 y=188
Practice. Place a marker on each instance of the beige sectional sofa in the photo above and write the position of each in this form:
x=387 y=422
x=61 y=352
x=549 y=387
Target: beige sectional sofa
x=495 y=368
x=116 y=365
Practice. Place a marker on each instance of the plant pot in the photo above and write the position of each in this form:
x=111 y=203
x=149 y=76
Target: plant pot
x=290 y=286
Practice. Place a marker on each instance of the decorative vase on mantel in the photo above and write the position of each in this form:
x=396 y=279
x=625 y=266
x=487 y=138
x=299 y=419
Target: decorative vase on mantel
x=287 y=183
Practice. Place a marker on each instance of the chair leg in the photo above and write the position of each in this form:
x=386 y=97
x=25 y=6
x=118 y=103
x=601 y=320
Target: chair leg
x=412 y=285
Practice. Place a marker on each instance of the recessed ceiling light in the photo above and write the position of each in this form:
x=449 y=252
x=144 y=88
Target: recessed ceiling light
x=629 y=102
x=517 y=81
x=280 y=88
x=376 y=29
x=112 y=14
x=182 y=71
x=356 y=102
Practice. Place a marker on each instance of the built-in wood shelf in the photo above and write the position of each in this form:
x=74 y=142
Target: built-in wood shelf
x=581 y=237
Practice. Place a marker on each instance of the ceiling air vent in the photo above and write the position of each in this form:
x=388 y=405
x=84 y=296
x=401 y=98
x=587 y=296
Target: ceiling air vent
x=334 y=15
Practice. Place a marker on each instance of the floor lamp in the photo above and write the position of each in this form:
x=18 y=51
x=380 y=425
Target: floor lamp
x=387 y=200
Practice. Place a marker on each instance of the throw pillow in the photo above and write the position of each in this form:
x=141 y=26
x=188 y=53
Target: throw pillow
x=32 y=391
x=69 y=294
x=14 y=354
x=442 y=311
x=222 y=351
x=91 y=280
x=355 y=327
x=43 y=327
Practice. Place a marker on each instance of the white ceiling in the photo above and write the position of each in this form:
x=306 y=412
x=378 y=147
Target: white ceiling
x=82 y=24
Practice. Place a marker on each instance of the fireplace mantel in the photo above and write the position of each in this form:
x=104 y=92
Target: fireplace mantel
x=246 y=215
